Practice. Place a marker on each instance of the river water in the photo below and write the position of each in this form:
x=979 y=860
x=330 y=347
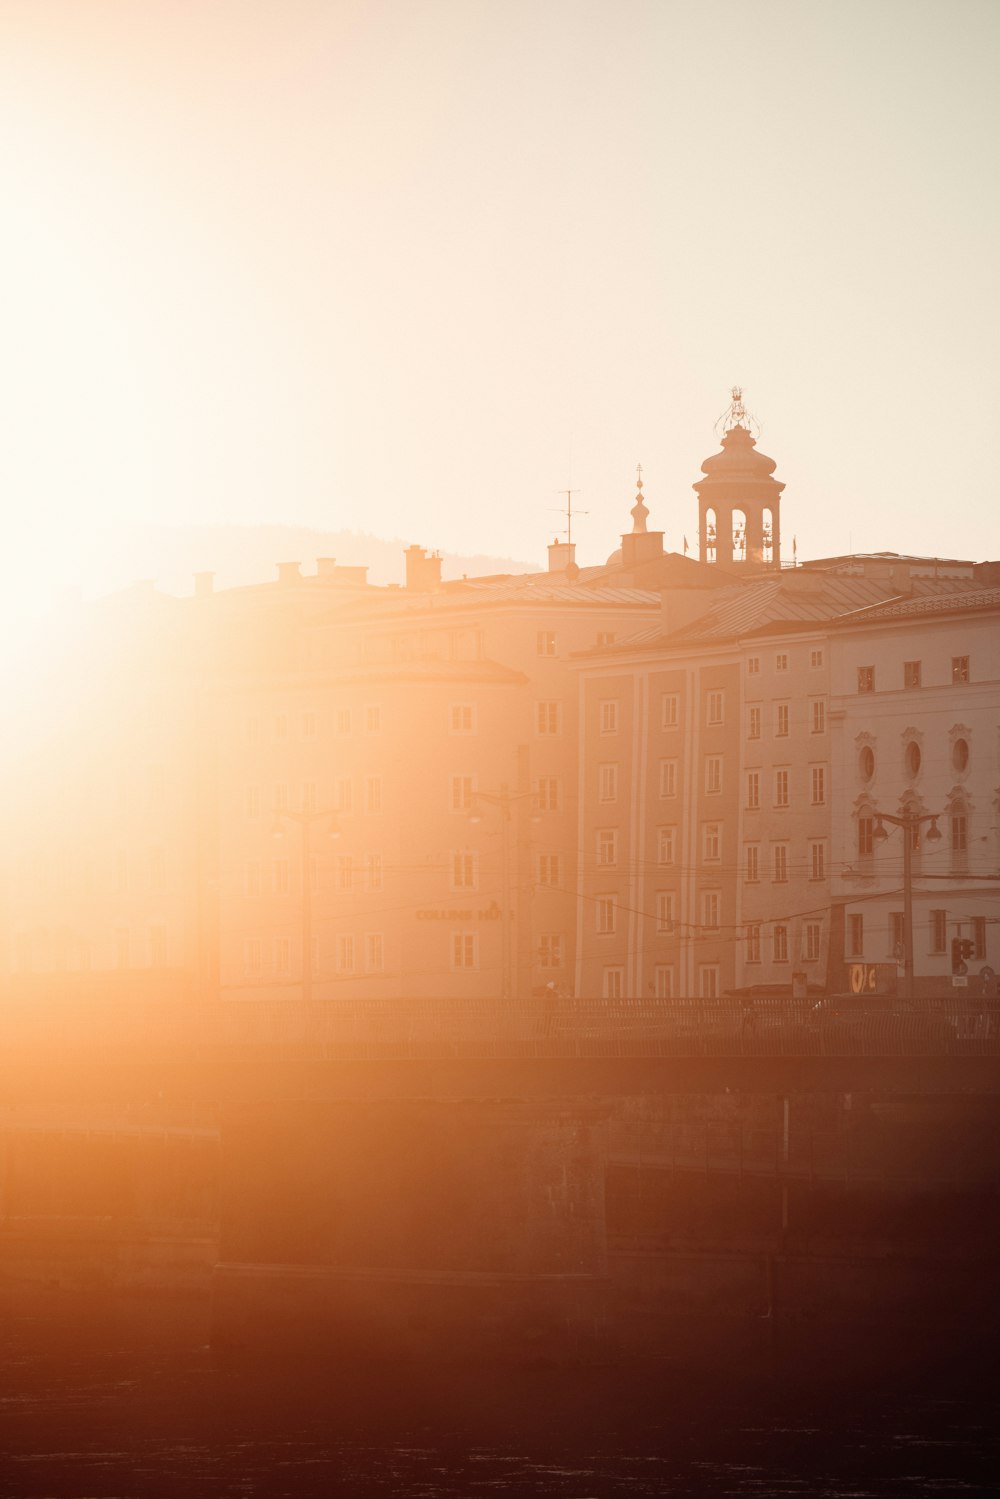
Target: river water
x=98 y=1402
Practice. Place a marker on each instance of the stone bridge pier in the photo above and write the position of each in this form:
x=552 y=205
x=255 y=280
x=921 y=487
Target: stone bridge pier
x=391 y=1228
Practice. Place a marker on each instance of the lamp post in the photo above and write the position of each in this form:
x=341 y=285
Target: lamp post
x=504 y=799
x=910 y=823
x=305 y=822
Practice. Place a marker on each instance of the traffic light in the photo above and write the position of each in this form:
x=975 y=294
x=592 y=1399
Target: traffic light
x=962 y=949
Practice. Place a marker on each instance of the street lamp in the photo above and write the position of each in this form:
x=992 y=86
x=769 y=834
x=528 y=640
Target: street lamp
x=306 y=821
x=910 y=823
x=505 y=800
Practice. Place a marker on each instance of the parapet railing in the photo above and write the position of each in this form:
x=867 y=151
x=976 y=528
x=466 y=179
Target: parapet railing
x=427 y=1029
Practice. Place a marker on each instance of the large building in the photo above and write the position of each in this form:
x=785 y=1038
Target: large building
x=658 y=776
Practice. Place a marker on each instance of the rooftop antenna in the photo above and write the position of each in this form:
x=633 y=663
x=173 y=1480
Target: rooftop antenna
x=736 y=415
x=569 y=512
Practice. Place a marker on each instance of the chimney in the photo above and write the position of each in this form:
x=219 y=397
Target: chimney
x=562 y=554
x=423 y=569
x=204 y=584
x=326 y=567
x=288 y=572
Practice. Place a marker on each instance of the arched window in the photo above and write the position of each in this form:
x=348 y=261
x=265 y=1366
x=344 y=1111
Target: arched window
x=739 y=536
x=767 y=550
x=710 y=536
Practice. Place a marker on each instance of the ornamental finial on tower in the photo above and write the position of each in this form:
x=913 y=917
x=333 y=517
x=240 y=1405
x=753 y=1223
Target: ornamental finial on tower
x=640 y=511
x=737 y=415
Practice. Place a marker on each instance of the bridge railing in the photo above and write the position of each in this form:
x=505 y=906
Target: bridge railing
x=581 y=1027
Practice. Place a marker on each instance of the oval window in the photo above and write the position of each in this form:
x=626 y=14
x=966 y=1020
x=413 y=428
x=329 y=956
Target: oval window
x=913 y=758
x=866 y=763
x=960 y=754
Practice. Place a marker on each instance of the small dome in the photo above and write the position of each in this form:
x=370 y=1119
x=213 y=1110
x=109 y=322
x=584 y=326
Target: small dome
x=739 y=460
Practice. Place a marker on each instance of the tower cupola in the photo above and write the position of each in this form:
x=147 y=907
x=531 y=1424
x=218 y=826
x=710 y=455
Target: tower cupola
x=739 y=521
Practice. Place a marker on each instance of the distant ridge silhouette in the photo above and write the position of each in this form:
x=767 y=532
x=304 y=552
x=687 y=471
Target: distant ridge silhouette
x=171 y=555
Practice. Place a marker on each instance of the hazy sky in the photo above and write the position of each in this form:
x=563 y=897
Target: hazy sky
x=414 y=267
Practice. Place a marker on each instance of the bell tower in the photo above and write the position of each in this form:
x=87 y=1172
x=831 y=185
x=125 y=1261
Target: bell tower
x=739 y=516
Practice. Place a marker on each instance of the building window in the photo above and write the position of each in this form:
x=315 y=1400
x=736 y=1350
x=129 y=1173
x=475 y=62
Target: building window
x=550 y=950
x=461 y=793
x=343 y=720
x=607 y=846
x=753 y=790
x=464 y=950
x=609 y=717
x=959 y=833
x=344 y=794
x=373 y=794
x=605 y=637
x=979 y=938
x=665 y=912
x=780 y=937
x=866 y=763
x=710 y=911
x=818 y=716
x=780 y=863
x=665 y=844
x=463 y=718
x=708 y=981
x=866 y=837
x=281 y=727
x=669 y=710
x=959 y=668
x=668 y=777
x=713 y=775
x=255 y=955
x=547 y=717
x=896 y=933
x=463 y=870
x=753 y=722
x=866 y=679
x=812 y=941
x=752 y=863
x=818 y=785
x=345 y=872
x=939 y=931
x=781 y=788
x=815 y=659
x=605 y=912
x=663 y=981
x=253 y=877
x=253 y=730
x=373 y=871
x=374 y=952
x=856 y=936
x=548 y=869
x=613 y=983
x=345 y=953
x=781 y=720
x=281 y=802
x=281 y=877
x=309 y=724
x=960 y=756
x=373 y=719
x=282 y=955
x=545 y=643
x=716 y=704
x=547 y=794
x=781 y=661
x=607 y=783
x=753 y=665
x=817 y=861
x=911 y=673
x=753 y=944
x=711 y=841
x=912 y=759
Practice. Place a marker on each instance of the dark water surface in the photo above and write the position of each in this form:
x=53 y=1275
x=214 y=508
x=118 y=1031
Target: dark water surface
x=109 y=1402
